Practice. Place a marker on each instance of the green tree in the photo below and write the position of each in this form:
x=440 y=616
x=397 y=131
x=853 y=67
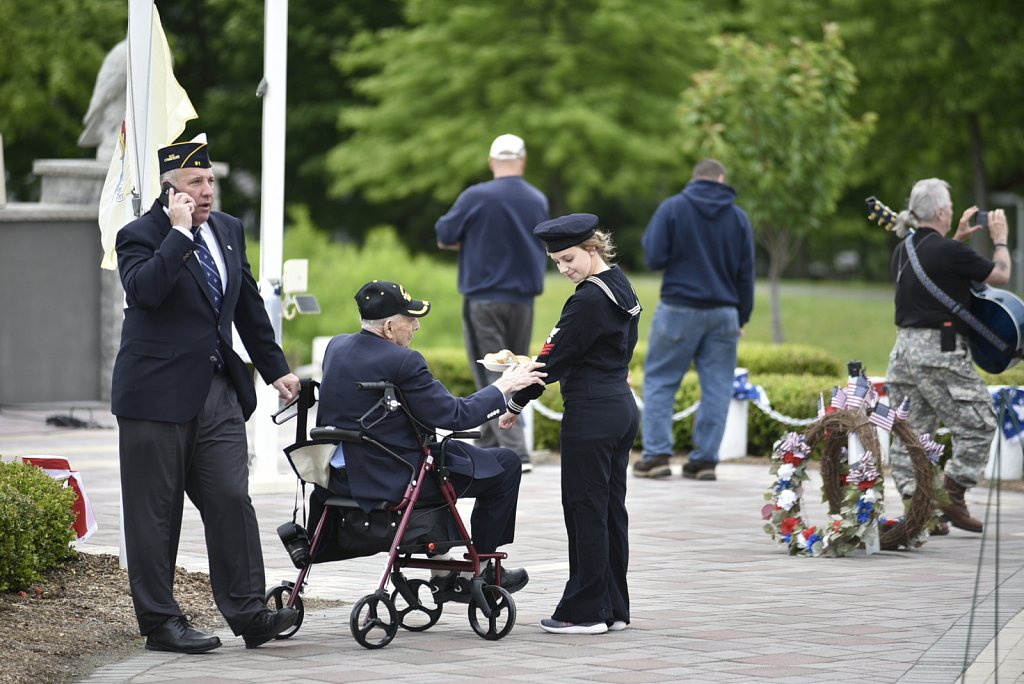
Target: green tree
x=591 y=85
x=944 y=78
x=50 y=53
x=218 y=49
x=779 y=119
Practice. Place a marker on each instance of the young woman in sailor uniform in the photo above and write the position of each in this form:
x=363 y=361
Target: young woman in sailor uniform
x=588 y=353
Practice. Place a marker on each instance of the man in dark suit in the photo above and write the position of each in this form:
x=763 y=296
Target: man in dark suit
x=380 y=352
x=182 y=395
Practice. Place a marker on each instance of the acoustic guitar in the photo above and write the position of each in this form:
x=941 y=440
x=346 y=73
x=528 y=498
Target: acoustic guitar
x=1001 y=311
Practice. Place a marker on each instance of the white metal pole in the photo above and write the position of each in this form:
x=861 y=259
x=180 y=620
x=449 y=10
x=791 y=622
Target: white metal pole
x=138 y=146
x=274 y=89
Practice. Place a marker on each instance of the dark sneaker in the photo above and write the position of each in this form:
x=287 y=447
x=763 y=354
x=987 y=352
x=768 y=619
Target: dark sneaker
x=562 y=627
x=699 y=470
x=512 y=579
x=653 y=467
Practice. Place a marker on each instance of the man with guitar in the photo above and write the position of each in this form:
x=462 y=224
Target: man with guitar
x=931 y=360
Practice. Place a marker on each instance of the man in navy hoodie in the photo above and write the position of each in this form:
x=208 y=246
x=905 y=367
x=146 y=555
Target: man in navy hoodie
x=705 y=245
x=501 y=268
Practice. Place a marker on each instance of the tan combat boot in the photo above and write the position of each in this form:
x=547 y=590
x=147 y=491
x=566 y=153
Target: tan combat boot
x=956 y=511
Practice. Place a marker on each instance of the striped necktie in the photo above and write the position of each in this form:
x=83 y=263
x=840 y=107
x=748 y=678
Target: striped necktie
x=213 y=281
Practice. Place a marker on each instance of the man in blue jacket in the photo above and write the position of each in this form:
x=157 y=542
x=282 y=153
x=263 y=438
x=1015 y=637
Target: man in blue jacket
x=705 y=245
x=380 y=352
x=501 y=268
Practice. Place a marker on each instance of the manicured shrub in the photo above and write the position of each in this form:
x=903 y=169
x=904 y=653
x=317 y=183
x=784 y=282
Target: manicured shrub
x=793 y=396
x=760 y=358
x=451 y=367
x=35 y=524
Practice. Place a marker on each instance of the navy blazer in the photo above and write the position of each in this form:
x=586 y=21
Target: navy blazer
x=365 y=357
x=165 y=364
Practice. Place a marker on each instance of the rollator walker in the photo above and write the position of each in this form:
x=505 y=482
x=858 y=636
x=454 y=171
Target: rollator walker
x=413 y=532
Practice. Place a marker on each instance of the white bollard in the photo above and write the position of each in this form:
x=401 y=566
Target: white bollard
x=734 y=441
x=1005 y=456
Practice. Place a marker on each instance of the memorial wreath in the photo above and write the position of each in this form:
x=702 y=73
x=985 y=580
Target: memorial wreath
x=854 y=492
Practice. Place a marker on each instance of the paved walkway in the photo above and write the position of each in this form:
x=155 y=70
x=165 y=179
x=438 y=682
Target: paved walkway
x=713 y=598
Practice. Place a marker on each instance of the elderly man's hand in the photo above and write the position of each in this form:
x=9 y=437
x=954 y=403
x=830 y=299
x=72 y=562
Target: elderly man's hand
x=517 y=376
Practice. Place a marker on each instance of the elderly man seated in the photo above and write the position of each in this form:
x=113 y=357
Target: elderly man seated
x=380 y=352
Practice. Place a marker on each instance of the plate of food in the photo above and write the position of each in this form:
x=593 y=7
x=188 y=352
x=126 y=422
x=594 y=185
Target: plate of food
x=500 y=361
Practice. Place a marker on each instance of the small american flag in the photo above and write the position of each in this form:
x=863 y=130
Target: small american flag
x=931 y=447
x=857 y=398
x=903 y=410
x=838 y=398
x=882 y=416
x=865 y=471
x=821 y=405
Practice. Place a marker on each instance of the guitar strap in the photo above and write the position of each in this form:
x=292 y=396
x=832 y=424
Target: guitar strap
x=953 y=305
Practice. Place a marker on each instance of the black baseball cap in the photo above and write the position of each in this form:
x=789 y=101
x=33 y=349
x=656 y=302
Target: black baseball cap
x=380 y=299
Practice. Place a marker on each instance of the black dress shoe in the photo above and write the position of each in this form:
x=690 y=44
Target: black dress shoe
x=267 y=625
x=512 y=579
x=175 y=635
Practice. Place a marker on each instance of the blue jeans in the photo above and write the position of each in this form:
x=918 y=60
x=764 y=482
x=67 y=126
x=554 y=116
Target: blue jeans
x=680 y=335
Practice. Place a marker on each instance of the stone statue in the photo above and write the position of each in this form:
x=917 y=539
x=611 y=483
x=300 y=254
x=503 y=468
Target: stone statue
x=107 y=106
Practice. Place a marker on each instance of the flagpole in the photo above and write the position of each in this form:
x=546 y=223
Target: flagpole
x=140 y=37
x=273 y=88
x=140 y=55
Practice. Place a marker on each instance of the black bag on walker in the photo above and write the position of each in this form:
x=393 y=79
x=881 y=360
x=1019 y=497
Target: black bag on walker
x=352 y=532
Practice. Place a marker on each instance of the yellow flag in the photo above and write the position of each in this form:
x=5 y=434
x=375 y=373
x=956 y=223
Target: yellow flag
x=166 y=114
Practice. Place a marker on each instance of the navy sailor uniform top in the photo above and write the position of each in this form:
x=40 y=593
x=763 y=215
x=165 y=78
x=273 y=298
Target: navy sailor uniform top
x=589 y=350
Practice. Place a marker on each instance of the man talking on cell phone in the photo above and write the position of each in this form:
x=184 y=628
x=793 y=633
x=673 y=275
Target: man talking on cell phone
x=182 y=395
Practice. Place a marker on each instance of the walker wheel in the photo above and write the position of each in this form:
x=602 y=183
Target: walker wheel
x=277 y=598
x=503 y=614
x=373 y=621
x=421 y=616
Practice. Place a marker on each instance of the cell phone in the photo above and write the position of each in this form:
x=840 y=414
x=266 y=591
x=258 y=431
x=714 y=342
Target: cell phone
x=981 y=219
x=165 y=197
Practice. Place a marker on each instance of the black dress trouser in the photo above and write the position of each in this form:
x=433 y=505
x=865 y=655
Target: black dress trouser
x=206 y=458
x=596 y=438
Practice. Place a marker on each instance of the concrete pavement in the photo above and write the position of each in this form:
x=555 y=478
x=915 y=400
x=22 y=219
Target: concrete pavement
x=713 y=598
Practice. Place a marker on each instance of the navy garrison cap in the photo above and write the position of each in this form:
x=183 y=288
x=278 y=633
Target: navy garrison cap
x=566 y=231
x=194 y=154
x=380 y=299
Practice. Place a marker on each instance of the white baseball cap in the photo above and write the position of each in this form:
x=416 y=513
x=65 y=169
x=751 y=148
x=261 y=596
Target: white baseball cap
x=508 y=147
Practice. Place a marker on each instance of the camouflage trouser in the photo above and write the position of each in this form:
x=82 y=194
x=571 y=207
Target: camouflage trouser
x=944 y=390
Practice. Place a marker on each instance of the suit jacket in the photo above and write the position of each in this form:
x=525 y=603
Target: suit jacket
x=165 y=364
x=365 y=357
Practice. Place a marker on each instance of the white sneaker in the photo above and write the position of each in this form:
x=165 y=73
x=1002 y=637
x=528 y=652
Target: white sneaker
x=560 y=627
x=527 y=467
x=435 y=572
x=618 y=626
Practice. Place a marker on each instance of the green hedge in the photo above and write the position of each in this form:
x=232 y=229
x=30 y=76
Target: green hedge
x=794 y=396
x=759 y=358
x=35 y=524
x=792 y=375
